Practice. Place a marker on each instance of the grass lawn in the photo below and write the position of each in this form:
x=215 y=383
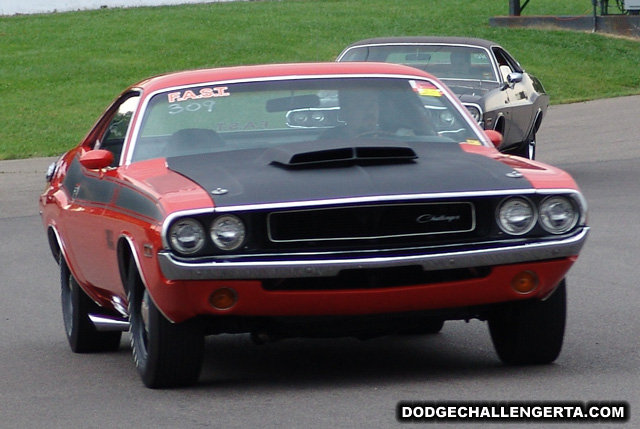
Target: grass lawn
x=59 y=71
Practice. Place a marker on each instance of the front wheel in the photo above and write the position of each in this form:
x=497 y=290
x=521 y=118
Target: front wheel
x=427 y=327
x=530 y=332
x=166 y=354
x=82 y=335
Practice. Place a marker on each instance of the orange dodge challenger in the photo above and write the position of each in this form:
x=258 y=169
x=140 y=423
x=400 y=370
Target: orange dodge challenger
x=303 y=200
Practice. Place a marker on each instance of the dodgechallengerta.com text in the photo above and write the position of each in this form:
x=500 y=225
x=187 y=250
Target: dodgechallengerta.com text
x=538 y=411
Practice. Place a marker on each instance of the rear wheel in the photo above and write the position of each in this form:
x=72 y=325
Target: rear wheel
x=76 y=306
x=166 y=354
x=530 y=332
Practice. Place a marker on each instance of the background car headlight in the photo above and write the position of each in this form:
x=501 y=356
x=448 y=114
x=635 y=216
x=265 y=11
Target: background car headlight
x=447 y=118
x=516 y=216
x=558 y=215
x=187 y=236
x=317 y=118
x=475 y=112
x=227 y=232
x=299 y=118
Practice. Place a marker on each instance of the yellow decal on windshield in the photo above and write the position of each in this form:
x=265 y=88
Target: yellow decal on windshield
x=426 y=89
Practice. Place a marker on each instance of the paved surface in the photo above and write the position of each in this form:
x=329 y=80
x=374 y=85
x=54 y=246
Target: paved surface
x=21 y=181
x=343 y=382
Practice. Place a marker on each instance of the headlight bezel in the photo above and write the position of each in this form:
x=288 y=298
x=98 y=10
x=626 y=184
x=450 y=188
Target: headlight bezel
x=525 y=203
x=547 y=224
x=183 y=223
x=476 y=112
x=206 y=219
x=227 y=221
x=573 y=202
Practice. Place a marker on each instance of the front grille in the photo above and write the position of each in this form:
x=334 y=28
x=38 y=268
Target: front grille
x=371 y=222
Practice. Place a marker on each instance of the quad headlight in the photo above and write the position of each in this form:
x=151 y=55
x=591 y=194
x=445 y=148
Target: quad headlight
x=558 y=215
x=516 y=216
x=227 y=232
x=187 y=236
x=555 y=214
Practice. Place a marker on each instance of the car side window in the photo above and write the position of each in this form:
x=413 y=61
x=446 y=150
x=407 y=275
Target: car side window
x=506 y=63
x=116 y=131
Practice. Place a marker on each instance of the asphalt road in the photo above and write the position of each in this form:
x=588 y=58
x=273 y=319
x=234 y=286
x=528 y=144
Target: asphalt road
x=339 y=383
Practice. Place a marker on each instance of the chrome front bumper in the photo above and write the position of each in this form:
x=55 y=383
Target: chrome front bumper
x=328 y=266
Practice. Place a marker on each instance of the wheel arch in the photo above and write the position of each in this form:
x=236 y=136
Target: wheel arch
x=537 y=122
x=500 y=124
x=55 y=243
x=126 y=253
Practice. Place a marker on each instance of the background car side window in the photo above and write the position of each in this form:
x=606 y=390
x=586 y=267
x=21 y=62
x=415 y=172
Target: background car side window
x=114 y=136
x=506 y=63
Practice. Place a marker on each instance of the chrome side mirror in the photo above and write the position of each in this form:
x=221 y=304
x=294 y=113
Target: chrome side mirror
x=512 y=79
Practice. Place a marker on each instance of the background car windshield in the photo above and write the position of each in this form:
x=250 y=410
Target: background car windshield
x=443 y=61
x=239 y=116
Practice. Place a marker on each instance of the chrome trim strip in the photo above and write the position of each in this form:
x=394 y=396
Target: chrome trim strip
x=383 y=198
x=106 y=324
x=173 y=269
x=373 y=199
x=477 y=106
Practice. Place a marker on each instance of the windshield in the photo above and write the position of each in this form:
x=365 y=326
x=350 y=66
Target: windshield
x=443 y=61
x=238 y=116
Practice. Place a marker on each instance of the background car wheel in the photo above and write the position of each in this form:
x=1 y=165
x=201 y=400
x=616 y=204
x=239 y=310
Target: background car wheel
x=166 y=354
x=76 y=306
x=530 y=332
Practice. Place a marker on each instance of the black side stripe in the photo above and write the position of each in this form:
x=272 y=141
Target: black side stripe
x=95 y=191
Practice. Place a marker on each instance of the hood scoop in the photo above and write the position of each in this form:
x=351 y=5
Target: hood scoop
x=341 y=156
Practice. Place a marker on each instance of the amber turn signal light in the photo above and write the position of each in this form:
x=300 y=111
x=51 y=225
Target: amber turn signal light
x=524 y=282
x=223 y=299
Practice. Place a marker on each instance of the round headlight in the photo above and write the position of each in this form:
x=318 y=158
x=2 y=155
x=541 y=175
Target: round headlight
x=299 y=118
x=317 y=118
x=187 y=236
x=475 y=112
x=227 y=232
x=516 y=216
x=447 y=118
x=558 y=215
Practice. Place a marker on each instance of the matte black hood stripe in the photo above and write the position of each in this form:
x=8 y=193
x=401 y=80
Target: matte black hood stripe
x=250 y=179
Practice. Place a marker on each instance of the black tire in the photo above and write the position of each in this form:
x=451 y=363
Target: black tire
x=429 y=327
x=530 y=332
x=166 y=354
x=76 y=306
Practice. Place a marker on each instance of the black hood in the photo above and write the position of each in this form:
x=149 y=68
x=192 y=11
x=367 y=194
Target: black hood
x=274 y=175
x=471 y=90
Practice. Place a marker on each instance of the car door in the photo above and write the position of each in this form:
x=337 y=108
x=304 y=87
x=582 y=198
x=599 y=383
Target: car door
x=89 y=227
x=518 y=98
